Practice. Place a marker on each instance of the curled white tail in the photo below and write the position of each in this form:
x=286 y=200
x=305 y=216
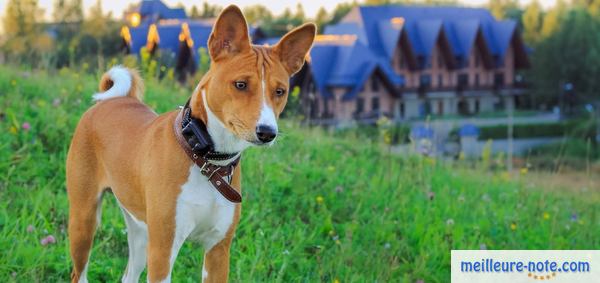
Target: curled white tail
x=120 y=81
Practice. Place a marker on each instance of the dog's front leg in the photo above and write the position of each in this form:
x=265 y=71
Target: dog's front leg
x=163 y=244
x=216 y=259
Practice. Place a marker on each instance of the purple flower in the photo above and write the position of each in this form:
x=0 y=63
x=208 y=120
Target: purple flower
x=420 y=281
x=26 y=126
x=573 y=216
x=48 y=240
x=30 y=228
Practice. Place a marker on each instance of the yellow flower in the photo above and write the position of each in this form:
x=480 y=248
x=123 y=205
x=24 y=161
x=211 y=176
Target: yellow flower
x=336 y=280
x=524 y=170
x=13 y=83
x=331 y=168
x=387 y=138
x=505 y=176
x=79 y=88
x=337 y=242
x=461 y=155
x=331 y=232
x=546 y=215
x=13 y=130
x=513 y=226
x=319 y=199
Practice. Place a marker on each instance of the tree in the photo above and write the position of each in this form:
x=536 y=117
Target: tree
x=570 y=55
x=341 y=10
x=23 y=34
x=68 y=11
x=210 y=11
x=321 y=19
x=501 y=9
x=194 y=12
x=532 y=22
x=258 y=14
x=552 y=19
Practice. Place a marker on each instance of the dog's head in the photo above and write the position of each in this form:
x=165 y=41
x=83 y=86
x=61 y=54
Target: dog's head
x=246 y=87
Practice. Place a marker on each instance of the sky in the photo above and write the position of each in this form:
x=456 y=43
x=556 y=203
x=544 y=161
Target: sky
x=276 y=6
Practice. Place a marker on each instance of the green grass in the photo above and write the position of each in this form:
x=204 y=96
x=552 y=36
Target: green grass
x=316 y=208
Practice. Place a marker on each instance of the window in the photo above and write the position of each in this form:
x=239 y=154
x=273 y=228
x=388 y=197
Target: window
x=476 y=79
x=476 y=61
x=374 y=84
x=360 y=105
x=440 y=80
x=440 y=107
x=440 y=61
x=401 y=109
x=463 y=80
x=476 y=105
x=425 y=81
x=498 y=79
x=375 y=104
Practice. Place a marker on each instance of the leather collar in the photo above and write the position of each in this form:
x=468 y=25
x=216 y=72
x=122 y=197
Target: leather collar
x=193 y=138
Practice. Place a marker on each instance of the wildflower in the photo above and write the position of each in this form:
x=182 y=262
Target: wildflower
x=461 y=198
x=26 y=126
x=48 y=240
x=337 y=242
x=482 y=247
x=319 y=199
x=286 y=252
x=13 y=130
x=387 y=246
x=56 y=102
x=546 y=215
x=339 y=189
x=336 y=280
x=420 y=281
x=524 y=171
x=331 y=232
x=450 y=222
x=513 y=226
x=13 y=83
x=30 y=228
x=486 y=198
x=430 y=195
x=79 y=88
x=331 y=168
x=574 y=217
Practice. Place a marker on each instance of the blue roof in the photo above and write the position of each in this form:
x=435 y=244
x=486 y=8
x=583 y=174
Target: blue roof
x=347 y=64
x=154 y=10
x=374 y=26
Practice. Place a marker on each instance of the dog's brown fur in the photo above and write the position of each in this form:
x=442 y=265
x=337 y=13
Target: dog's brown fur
x=123 y=145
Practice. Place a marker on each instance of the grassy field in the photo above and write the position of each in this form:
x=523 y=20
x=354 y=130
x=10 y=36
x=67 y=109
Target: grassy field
x=316 y=208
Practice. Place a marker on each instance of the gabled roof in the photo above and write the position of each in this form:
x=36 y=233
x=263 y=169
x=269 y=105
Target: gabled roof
x=347 y=63
x=382 y=26
x=154 y=10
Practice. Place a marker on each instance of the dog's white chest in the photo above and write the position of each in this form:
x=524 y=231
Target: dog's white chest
x=202 y=212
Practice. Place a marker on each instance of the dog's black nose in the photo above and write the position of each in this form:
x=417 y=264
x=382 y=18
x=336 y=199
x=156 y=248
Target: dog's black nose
x=265 y=133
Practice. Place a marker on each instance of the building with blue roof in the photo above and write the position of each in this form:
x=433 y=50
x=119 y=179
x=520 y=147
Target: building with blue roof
x=408 y=62
x=159 y=28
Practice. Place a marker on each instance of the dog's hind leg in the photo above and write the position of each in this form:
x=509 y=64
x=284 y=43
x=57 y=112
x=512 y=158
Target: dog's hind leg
x=85 y=192
x=137 y=238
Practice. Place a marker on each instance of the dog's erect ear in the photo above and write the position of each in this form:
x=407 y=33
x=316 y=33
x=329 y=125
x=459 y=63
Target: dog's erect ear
x=294 y=46
x=229 y=35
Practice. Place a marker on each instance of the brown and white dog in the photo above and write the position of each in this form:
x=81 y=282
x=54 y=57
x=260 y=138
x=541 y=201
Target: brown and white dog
x=122 y=145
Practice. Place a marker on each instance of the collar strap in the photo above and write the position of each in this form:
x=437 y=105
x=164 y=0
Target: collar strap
x=214 y=173
x=197 y=137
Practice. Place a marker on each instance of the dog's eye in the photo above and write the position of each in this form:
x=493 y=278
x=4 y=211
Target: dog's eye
x=280 y=91
x=241 y=85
